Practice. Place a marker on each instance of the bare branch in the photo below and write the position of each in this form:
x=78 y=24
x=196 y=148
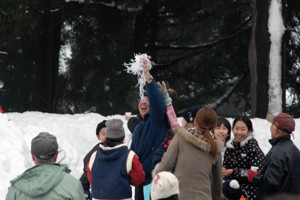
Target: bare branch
x=227 y=95
x=207 y=44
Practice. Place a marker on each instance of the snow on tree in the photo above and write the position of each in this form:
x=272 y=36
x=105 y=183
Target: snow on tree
x=276 y=30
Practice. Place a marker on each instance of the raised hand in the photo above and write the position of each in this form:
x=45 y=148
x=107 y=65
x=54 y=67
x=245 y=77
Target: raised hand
x=163 y=90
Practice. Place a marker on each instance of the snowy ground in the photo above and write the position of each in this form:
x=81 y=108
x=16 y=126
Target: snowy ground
x=76 y=136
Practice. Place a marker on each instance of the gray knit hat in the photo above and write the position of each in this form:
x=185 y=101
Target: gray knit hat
x=114 y=128
x=44 y=146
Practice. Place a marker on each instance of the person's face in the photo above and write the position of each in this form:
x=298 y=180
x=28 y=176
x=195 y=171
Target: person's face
x=221 y=132
x=240 y=131
x=101 y=136
x=144 y=107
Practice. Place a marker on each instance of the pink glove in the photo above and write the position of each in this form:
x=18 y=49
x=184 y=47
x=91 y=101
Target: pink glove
x=251 y=174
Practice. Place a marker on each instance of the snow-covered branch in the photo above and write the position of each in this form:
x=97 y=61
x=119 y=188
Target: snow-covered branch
x=3 y=52
x=227 y=95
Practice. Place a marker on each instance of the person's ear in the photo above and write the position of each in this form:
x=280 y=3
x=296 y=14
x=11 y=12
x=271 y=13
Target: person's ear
x=98 y=137
x=55 y=157
x=32 y=156
x=277 y=131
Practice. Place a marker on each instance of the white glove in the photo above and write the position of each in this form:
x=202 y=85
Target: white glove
x=163 y=90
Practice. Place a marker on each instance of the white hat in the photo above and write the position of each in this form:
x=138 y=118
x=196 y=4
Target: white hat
x=164 y=185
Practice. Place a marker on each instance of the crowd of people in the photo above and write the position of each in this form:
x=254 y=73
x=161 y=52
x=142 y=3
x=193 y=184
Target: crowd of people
x=198 y=159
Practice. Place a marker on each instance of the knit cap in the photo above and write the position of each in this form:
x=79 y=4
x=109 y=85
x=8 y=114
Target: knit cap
x=190 y=113
x=164 y=185
x=114 y=128
x=231 y=190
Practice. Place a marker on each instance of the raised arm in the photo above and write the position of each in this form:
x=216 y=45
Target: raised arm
x=156 y=102
x=169 y=107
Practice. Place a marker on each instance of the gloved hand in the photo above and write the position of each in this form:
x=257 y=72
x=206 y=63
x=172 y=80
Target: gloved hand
x=87 y=194
x=251 y=174
x=163 y=90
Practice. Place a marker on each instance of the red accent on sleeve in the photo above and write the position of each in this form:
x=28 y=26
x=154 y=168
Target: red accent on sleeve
x=89 y=172
x=137 y=175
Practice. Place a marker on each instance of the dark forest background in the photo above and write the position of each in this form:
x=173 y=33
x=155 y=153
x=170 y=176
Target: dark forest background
x=202 y=49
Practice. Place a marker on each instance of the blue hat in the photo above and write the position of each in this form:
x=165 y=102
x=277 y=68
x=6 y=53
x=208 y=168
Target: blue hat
x=190 y=113
x=231 y=190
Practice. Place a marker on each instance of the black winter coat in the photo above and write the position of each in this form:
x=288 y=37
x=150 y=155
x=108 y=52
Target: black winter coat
x=281 y=171
x=240 y=156
x=83 y=179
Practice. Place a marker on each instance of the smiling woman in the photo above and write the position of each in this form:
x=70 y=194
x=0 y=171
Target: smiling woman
x=242 y=153
x=242 y=128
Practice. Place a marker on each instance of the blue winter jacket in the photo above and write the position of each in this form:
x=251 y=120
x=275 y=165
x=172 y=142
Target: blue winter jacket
x=151 y=131
x=110 y=179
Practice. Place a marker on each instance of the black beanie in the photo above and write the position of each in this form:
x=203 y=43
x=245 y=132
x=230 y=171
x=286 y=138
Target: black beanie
x=232 y=190
x=100 y=126
x=190 y=113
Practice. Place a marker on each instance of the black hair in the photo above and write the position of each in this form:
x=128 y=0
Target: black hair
x=100 y=126
x=132 y=123
x=110 y=141
x=244 y=119
x=226 y=123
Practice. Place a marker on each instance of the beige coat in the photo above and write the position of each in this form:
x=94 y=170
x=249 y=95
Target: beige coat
x=199 y=175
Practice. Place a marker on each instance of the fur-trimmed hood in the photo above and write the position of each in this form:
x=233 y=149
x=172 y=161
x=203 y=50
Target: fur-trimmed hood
x=229 y=144
x=198 y=142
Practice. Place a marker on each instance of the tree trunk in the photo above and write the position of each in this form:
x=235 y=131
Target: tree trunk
x=259 y=49
x=48 y=61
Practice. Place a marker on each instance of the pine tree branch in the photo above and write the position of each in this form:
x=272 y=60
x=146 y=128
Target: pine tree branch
x=197 y=47
x=228 y=94
x=207 y=44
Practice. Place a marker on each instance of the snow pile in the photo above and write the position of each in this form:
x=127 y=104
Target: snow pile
x=11 y=143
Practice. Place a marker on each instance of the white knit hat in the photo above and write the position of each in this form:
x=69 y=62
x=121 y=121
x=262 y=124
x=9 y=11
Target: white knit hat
x=164 y=185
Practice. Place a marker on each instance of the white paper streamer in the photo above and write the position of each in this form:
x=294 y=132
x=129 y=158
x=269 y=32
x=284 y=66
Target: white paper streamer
x=136 y=67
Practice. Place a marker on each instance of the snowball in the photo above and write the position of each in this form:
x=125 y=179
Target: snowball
x=234 y=184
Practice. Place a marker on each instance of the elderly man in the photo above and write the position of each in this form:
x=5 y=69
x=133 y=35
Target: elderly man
x=46 y=180
x=281 y=169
